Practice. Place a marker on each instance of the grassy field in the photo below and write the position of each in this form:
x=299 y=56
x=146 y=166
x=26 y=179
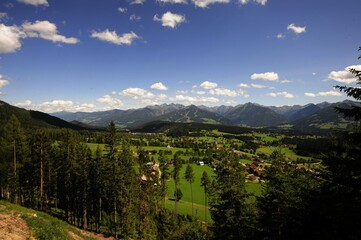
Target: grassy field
x=289 y=154
x=185 y=205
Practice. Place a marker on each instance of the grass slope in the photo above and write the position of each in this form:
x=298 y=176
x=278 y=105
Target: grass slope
x=42 y=225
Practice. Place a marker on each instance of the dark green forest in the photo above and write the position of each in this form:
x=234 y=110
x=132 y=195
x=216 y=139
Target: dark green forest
x=112 y=191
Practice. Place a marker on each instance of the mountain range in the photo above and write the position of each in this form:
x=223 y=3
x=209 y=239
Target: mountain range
x=307 y=117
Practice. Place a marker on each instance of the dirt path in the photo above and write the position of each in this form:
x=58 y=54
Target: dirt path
x=13 y=228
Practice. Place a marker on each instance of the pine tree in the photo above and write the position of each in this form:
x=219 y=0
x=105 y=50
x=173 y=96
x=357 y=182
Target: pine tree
x=229 y=207
x=113 y=161
x=177 y=164
x=15 y=138
x=284 y=204
x=189 y=176
x=339 y=214
x=205 y=183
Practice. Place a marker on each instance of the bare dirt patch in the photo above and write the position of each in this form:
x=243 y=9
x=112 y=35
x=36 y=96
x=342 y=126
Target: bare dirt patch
x=13 y=228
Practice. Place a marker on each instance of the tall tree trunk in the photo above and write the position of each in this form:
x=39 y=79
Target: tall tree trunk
x=100 y=215
x=15 y=177
x=115 y=216
x=41 y=177
x=85 y=219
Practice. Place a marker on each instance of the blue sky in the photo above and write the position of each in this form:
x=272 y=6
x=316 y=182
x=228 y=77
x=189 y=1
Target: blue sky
x=81 y=55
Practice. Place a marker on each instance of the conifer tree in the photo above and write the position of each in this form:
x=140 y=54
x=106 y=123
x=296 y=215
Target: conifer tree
x=15 y=138
x=205 y=183
x=189 y=176
x=230 y=210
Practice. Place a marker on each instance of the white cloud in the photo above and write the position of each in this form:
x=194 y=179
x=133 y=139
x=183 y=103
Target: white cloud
x=332 y=93
x=136 y=93
x=56 y=106
x=208 y=85
x=137 y=2
x=3 y=82
x=46 y=30
x=280 y=36
x=244 y=85
x=252 y=85
x=25 y=104
x=296 y=29
x=244 y=2
x=344 y=76
x=113 y=37
x=9 y=38
x=193 y=100
x=226 y=92
x=281 y=94
x=170 y=19
x=285 y=81
x=159 y=86
x=182 y=91
x=173 y=1
x=267 y=76
x=111 y=101
x=122 y=10
x=205 y=3
x=35 y=2
x=258 y=86
x=198 y=92
x=134 y=17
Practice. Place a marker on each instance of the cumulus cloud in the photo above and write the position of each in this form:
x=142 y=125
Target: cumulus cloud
x=267 y=76
x=10 y=38
x=198 y=92
x=169 y=19
x=111 y=101
x=113 y=37
x=122 y=10
x=135 y=17
x=159 y=86
x=244 y=2
x=35 y=2
x=137 y=2
x=280 y=36
x=285 y=81
x=205 y=3
x=173 y=1
x=296 y=29
x=25 y=104
x=208 y=85
x=258 y=86
x=136 y=93
x=46 y=30
x=332 y=93
x=281 y=94
x=344 y=76
x=56 y=106
x=3 y=82
x=194 y=100
x=226 y=92
x=244 y=85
